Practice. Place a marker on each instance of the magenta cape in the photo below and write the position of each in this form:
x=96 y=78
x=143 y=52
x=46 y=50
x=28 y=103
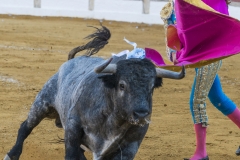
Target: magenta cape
x=205 y=36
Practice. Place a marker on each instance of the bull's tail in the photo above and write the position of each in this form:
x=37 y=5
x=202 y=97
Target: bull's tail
x=100 y=39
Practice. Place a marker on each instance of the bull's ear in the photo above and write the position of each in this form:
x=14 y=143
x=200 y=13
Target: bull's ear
x=158 y=82
x=109 y=80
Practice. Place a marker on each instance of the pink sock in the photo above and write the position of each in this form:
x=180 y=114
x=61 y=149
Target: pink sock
x=235 y=117
x=201 y=151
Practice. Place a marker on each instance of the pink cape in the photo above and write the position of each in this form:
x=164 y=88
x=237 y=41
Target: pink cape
x=205 y=36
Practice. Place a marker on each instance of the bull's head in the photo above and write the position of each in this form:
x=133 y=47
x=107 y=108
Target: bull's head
x=133 y=82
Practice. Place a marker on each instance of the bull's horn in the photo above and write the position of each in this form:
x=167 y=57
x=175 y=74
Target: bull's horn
x=106 y=67
x=170 y=74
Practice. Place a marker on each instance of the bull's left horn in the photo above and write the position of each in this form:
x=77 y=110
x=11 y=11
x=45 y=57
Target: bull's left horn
x=163 y=73
x=106 y=67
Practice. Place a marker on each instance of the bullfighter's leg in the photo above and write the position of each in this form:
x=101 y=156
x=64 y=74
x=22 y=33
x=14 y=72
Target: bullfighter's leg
x=203 y=81
x=224 y=104
x=72 y=137
x=39 y=110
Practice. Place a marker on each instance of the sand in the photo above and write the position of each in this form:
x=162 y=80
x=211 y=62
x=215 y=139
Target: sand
x=33 y=48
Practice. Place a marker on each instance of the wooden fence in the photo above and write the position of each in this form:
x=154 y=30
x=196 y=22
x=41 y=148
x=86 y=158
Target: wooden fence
x=145 y=10
x=37 y=3
x=146 y=5
x=235 y=3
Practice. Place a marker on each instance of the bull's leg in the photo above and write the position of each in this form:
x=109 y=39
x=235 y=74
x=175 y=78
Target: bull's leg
x=130 y=144
x=126 y=153
x=73 y=135
x=16 y=151
x=129 y=152
x=38 y=112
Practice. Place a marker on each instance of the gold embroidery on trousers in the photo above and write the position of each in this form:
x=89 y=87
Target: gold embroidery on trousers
x=204 y=80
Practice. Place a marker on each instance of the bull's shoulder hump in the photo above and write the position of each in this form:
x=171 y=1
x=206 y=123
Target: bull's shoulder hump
x=82 y=62
x=78 y=67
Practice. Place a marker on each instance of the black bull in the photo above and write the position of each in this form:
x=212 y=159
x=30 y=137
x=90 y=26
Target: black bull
x=103 y=107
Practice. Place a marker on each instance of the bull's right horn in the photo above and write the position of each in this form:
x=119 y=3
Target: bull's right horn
x=106 y=67
x=163 y=73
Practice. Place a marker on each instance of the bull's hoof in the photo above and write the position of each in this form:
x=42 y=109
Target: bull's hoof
x=6 y=157
x=238 y=151
x=206 y=158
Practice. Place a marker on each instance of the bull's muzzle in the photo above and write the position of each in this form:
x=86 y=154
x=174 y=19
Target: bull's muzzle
x=140 y=114
x=140 y=117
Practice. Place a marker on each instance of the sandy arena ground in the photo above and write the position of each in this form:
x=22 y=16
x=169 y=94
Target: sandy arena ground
x=33 y=48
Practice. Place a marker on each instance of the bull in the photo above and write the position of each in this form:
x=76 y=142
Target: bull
x=103 y=105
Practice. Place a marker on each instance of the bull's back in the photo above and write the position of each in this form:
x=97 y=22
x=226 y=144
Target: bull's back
x=72 y=77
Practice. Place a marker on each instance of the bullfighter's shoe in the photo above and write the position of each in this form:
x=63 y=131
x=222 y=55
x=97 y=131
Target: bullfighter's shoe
x=206 y=158
x=238 y=151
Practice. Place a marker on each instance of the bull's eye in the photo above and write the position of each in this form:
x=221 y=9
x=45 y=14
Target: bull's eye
x=121 y=86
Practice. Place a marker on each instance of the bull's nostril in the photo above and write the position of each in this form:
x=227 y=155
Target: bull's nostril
x=140 y=114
